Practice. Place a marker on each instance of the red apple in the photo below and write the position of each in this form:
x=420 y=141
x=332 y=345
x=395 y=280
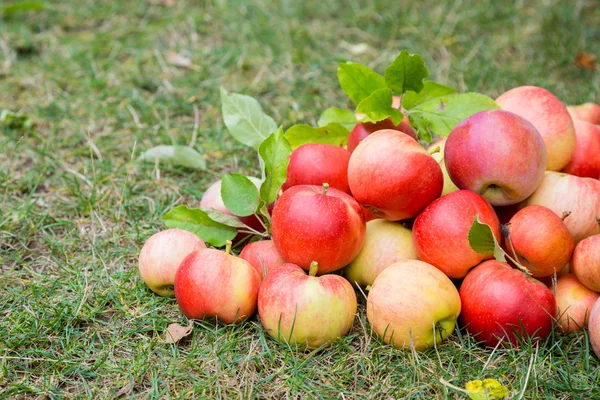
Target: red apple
x=161 y=255
x=589 y=112
x=449 y=186
x=594 y=328
x=441 y=232
x=586 y=158
x=263 y=256
x=586 y=262
x=497 y=154
x=364 y=129
x=214 y=283
x=313 y=223
x=393 y=175
x=574 y=302
x=500 y=303
x=306 y=310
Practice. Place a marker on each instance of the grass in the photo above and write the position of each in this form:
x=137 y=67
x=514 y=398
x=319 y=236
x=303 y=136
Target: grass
x=76 y=321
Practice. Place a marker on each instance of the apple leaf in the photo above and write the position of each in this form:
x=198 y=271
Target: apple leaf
x=239 y=194
x=489 y=389
x=483 y=241
x=344 y=117
x=224 y=218
x=333 y=133
x=198 y=221
x=176 y=155
x=176 y=332
x=275 y=155
x=245 y=119
x=359 y=81
x=406 y=73
x=378 y=106
x=430 y=91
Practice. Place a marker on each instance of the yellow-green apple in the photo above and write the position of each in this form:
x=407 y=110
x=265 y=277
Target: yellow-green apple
x=449 y=186
x=589 y=112
x=314 y=223
x=567 y=193
x=386 y=242
x=364 y=129
x=393 y=175
x=263 y=256
x=586 y=158
x=574 y=302
x=215 y=283
x=594 y=328
x=441 y=232
x=549 y=116
x=497 y=154
x=540 y=239
x=586 y=262
x=303 y=309
x=500 y=303
x=413 y=304
x=161 y=255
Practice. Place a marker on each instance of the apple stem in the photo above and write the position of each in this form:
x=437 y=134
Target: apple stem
x=325 y=187
x=314 y=267
x=228 y=247
x=565 y=214
x=436 y=149
x=368 y=288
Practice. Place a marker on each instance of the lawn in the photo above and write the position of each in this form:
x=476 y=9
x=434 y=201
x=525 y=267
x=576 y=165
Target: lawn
x=98 y=82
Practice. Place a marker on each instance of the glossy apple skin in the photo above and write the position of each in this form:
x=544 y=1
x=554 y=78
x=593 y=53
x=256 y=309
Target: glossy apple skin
x=586 y=262
x=499 y=301
x=308 y=226
x=586 y=160
x=393 y=175
x=449 y=186
x=364 y=129
x=574 y=302
x=303 y=310
x=541 y=240
x=563 y=192
x=162 y=254
x=441 y=232
x=496 y=154
x=405 y=302
x=589 y=112
x=263 y=256
x=386 y=242
x=212 y=283
x=594 y=328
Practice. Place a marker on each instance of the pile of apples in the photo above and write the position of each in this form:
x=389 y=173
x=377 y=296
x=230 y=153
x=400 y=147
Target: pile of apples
x=391 y=220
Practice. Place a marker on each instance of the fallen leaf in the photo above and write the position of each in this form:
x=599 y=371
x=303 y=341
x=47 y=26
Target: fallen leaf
x=356 y=49
x=489 y=389
x=176 y=332
x=181 y=61
x=125 y=390
x=585 y=60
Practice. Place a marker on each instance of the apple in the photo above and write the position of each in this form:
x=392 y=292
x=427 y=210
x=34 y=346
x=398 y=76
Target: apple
x=501 y=304
x=215 y=283
x=364 y=129
x=441 y=232
x=574 y=302
x=586 y=262
x=497 y=154
x=594 y=328
x=385 y=243
x=306 y=310
x=161 y=255
x=413 y=304
x=313 y=164
x=263 y=256
x=586 y=159
x=542 y=242
x=589 y=112
x=549 y=116
x=393 y=175
x=567 y=193
x=449 y=186
x=313 y=223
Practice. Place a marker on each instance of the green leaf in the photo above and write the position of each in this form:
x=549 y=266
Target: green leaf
x=224 y=218
x=15 y=120
x=344 y=117
x=275 y=154
x=378 y=106
x=245 y=119
x=333 y=133
x=176 y=155
x=359 y=81
x=239 y=194
x=430 y=91
x=406 y=73
x=11 y=10
x=198 y=221
x=483 y=241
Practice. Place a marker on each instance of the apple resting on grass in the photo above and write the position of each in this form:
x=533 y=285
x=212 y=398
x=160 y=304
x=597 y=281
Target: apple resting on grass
x=393 y=175
x=412 y=303
x=586 y=158
x=161 y=255
x=589 y=112
x=500 y=303
x=306 y=310
x=549 y=116
x=574 y=302
x=497 y=154
x=586 y=262
x=214 y=283
x=314 y=223
x=263 y=256
x=449 y=186
x=441 y=232
x=594 y=328
x=364 y=129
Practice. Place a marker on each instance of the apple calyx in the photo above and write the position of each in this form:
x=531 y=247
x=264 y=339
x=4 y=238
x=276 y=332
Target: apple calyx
x=314 y=267
x=325 y=187
x=565 y=214
x=228 y=247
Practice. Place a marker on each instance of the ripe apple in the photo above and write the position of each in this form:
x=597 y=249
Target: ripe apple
x=313 y=223
x=574 y=302
x=393 y=175
x=306 y=310
x=313 y=164
x=549 y=116
x=586 y=159
x=594 y=328
x=364 y=129
x=497 y=154
x=385 y=243
x=263 y=256
x=449 y=186
x=413 y=304
x=542 y=242
x=589 y=112
x=214 y=283
x=500 y=303
x=441 y=232
x=161 y=255
x=586 y=262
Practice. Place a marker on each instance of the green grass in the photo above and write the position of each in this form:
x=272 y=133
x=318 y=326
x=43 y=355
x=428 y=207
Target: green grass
x=76 y=321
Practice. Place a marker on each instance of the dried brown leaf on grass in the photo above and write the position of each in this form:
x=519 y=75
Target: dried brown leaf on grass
x=176 y=332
